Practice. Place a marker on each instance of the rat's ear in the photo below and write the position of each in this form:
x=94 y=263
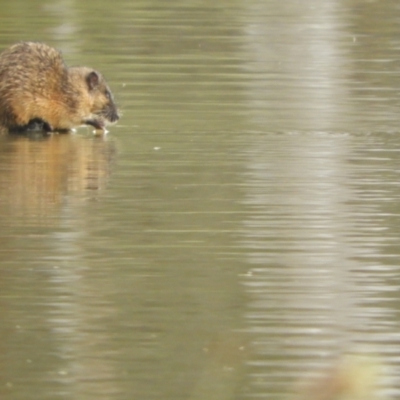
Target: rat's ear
x=93 y=80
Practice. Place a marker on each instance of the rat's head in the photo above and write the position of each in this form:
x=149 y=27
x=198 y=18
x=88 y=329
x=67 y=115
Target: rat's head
x=96 y=103
x=104 y=110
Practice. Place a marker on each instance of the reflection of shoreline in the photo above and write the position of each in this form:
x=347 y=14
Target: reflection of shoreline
x=35 y=176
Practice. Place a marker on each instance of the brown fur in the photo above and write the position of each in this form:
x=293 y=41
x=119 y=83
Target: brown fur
x=36 y=87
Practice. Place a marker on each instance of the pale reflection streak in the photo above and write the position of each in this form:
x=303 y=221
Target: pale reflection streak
x=78 y=319
x=80 y=310
x=297 y=64
x=315 y=289
x=310 y=295
x=44 y=182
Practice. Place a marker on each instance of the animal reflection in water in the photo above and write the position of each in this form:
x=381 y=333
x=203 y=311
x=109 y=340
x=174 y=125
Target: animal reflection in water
x=36 y=177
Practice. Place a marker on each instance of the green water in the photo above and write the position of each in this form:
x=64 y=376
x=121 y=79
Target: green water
x=237 y=227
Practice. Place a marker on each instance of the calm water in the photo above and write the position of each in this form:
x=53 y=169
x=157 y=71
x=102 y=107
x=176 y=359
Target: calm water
x=238 y=227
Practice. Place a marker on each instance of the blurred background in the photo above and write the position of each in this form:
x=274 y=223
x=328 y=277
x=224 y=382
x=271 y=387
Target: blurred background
x=238 y=227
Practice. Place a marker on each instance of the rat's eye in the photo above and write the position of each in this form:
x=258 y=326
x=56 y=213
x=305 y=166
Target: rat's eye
x=107 y=93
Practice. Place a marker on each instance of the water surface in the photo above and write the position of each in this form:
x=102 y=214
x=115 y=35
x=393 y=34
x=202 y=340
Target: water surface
x=237 y=228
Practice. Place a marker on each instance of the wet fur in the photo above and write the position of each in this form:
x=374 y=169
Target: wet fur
x=38 y=91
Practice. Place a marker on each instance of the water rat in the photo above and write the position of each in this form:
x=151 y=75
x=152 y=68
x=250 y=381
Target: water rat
x=38 y=91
